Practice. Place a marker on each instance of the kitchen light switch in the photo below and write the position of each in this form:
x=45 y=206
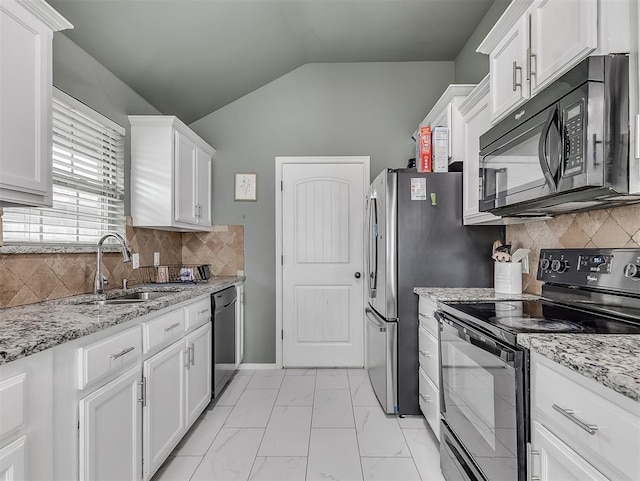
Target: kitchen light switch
x=135 y=259
x=156 y=259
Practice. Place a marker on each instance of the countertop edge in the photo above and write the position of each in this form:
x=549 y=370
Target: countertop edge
x=611 y=360
x=23 y=332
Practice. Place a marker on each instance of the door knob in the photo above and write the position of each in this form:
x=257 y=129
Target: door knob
x=357 y=275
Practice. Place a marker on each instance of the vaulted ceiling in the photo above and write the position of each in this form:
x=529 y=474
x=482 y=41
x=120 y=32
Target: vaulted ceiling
x=191 y=57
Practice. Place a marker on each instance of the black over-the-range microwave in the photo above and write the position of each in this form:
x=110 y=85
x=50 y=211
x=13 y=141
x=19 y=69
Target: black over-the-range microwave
x=566 y=149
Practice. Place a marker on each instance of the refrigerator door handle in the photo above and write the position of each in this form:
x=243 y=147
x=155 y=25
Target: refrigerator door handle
x=371 y=317
x=372 y=250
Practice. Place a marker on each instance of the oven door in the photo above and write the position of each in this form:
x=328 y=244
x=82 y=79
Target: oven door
x=483 y=399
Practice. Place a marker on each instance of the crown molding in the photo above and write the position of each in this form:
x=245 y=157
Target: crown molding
x=477 y=94
x=46 y=14
x=452 y=91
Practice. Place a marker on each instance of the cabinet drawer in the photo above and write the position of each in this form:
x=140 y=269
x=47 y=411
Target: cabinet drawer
x=163 y=329
x=107 y=355
x=616 y=441
x=429 y=402
x=12 y=401
x=426 y=309
x=198 y=313
x=428 y=355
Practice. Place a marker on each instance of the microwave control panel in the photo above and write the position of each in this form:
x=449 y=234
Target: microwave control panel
x=573 y=136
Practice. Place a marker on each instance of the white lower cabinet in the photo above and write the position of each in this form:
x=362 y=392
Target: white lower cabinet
x=26 y=419
x=581 y=430
x=111 y=430
x=553 y=460
x=198 y=379
x=164 y=413
x=13 y=461
x=178 y=388
x=429 y=370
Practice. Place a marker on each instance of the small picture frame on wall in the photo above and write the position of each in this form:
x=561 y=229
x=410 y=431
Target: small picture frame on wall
x=246 y=187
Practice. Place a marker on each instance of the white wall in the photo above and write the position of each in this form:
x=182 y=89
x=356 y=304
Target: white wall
x=318 y=109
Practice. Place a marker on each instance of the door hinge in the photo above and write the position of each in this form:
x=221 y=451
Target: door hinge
x=281 y=260
x=282 y=334
x=281 y=186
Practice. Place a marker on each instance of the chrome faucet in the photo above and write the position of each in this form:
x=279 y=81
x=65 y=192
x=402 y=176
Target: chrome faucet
x=101 y=280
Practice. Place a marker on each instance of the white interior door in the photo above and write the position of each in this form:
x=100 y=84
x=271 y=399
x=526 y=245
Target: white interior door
x=322 y=246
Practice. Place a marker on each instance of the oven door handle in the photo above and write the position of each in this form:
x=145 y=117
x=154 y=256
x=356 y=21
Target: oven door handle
x=542 y=150
x=476 y=338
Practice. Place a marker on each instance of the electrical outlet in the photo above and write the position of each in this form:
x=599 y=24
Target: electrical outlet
x=525 y=264
x=156 y=259
x=135 y=259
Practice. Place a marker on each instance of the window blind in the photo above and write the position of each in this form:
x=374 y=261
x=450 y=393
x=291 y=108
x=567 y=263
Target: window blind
x=88 y=181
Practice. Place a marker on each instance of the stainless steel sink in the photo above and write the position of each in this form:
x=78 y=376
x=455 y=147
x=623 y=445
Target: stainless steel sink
x=142 y=296
x=106 y=302
x=135 y=298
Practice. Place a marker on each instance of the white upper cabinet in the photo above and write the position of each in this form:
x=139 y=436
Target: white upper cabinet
x=536 y=41
x=171 y=175
x=26 y=35
x=445 y=113
x=476 y=118
x=562 y=33
x=507 y=64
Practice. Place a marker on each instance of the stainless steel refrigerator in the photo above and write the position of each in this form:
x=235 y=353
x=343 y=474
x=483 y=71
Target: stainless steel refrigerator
x=415 y=238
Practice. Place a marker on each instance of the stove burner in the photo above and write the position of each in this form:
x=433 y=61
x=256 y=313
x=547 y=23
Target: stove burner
x=538 y=324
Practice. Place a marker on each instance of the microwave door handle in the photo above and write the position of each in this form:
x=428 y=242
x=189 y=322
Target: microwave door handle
x=542 y=150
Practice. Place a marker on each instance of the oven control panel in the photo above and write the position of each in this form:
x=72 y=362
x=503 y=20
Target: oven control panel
x=617 y=269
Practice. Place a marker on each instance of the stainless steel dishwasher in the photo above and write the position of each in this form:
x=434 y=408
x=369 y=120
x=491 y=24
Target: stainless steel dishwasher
x=224 y=338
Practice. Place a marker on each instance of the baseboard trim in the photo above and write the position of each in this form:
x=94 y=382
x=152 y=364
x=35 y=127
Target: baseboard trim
x=258 y=366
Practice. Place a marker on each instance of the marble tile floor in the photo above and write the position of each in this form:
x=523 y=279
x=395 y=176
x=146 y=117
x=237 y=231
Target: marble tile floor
x=303 y=424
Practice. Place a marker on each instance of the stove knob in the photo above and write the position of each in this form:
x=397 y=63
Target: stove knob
x=632 y=271
x=545 y=264
x=559 y=266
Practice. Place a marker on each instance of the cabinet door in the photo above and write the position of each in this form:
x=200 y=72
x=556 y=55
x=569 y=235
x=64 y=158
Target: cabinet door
x=164 y=413
x=25 y=116
x=563 y=32
x=476 y=123
x=12 y=461
x=507 y=64
x=110 y=430
x=199 y=372
x=553 y=460
x=203 y=187
x=185 y=175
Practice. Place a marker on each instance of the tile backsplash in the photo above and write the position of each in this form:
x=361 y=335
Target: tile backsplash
x=618 y=227
x=30 y=278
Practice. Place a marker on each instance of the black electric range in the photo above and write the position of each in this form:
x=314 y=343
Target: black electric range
x=484 y=378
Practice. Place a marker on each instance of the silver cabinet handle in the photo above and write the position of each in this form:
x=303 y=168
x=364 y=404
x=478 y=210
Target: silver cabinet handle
x=204 y=311
x=425 y=353
x=568 y=413
x=515 y=76
x=192 y=354
x=185 y=353
x=171 y=327
x=122 y=353
x=531 y=56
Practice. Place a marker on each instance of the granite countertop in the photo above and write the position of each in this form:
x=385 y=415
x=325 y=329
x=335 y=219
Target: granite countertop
x=29 y=329
x=468 y=294
x=612 y=359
